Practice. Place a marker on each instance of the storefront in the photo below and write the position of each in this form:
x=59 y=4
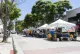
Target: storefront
x=74 y=17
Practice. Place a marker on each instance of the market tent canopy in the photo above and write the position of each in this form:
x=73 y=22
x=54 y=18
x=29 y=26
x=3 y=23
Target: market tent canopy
x=43 y=26
x=63 y=24
x=50 y=27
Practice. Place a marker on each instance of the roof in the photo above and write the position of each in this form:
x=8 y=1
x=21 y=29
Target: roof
x=73 y=12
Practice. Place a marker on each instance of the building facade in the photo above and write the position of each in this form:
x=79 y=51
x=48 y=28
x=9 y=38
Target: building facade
x=74 y=17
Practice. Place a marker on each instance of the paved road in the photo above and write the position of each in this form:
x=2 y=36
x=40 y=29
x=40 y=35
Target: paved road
x=32 y=45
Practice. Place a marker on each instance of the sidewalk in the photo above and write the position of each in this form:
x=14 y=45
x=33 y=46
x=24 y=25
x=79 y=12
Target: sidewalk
x=17 y=46
x=6 y=48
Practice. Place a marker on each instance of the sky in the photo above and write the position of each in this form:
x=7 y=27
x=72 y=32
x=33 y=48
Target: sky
x=26 y=6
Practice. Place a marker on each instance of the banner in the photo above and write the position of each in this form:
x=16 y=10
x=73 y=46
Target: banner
x=68 y=29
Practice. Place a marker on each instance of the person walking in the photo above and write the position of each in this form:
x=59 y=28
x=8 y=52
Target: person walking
x=75 y=37
x=52 y=33
x=71 y=37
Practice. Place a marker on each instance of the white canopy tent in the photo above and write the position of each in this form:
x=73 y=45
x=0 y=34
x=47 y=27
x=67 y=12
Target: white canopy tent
x=63 y=24
x=60 y=23
x=43 y=26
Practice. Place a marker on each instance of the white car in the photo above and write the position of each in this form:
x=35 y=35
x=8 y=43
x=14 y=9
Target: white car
x=13 y=32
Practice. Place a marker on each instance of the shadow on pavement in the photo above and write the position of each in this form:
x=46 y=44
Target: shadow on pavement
x=27 y=36
x=31 y=36
x=50 y=40
x=61 y=41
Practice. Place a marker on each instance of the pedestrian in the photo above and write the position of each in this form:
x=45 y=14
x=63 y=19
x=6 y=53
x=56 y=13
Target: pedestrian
x=52 y=33
x=59 y=36
x=55 y=37
x=75 y=36
x=38 y=31
x=26 y=32
x=49 y=36
x=71 y=37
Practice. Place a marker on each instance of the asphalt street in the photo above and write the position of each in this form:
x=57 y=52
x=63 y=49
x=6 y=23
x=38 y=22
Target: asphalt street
x=32 y=45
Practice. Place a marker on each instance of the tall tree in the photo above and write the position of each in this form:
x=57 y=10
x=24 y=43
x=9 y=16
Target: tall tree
x=10 y=26
x=30 y=20
x=41 y=9
x=8 y=13
x=19 y=26
x=61 y=7
x=46 y=10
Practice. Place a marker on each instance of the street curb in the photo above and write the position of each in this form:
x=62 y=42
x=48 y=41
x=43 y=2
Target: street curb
x=12 y=49
x=13 y=46
x=16 y=46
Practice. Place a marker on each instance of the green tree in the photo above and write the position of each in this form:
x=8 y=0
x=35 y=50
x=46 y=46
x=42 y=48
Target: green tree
x=46 y=10
x=19 y=26
x=42 y=9
x=10 y=12
x=30 y=20
x=61 y=7
x=14 y=13
x=10 y=26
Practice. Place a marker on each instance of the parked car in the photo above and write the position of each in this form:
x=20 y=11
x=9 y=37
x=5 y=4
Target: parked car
x=13 y=32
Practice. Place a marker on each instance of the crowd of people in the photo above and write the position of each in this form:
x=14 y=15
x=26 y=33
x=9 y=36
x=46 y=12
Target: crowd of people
x=51 y=34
